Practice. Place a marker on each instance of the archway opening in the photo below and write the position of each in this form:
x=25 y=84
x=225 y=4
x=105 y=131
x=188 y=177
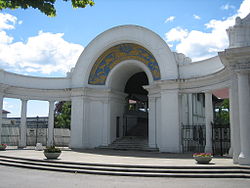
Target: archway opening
x=136 y=108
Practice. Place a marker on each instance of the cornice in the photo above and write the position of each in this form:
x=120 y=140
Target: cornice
x=236 y=59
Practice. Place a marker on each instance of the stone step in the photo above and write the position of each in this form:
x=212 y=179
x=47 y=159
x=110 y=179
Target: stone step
x=129 y=170
x=131 y=143
x=130 y=148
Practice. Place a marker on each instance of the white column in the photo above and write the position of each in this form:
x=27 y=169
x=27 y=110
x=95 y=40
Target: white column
x=190 y=109
x=1 y=116
x=209 y=119
x=85 y=127
x=78 y=136
x=23 y=125
x=170 y=124
x=152 y=122
x=234 y=120
x=50 y=141
x=106 y=123
x=244 y=110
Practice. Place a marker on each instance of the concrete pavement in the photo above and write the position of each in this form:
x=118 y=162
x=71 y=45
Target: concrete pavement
x=26 y=178
x=103 y=156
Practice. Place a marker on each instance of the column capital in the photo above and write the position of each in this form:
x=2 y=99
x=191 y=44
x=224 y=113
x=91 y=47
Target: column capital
x=51 y=103
x=236 y=59
x=24 y=99
x=165 y=91
x=242 y=73
x=75 y=92
x=152 y=98
x=208 y=92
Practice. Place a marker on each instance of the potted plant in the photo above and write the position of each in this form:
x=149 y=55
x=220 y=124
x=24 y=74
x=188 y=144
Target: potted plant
x=52 y=152
x=3 y=146
x=203 y=158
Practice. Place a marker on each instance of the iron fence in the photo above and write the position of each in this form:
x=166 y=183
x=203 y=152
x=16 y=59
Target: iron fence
x=221 y=138
x=193 y=138
x=11 y=135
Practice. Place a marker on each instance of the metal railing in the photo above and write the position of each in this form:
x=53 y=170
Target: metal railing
x=221 y=138
x=11 y=135
x=193 y=138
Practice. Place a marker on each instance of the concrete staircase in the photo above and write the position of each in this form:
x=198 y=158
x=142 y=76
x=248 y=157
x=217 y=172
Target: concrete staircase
x=129 y=170
x=131 y=143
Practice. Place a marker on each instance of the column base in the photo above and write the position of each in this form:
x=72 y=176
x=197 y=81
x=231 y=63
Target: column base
x=236 y=159
x=152 y=145
x=170 y=149
x=21 y=147
x=230 y=152
x=244 y=159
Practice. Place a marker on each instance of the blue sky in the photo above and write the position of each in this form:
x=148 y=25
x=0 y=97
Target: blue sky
x=34 y=44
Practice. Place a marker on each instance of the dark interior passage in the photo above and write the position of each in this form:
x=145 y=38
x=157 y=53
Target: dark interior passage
x=136 y=112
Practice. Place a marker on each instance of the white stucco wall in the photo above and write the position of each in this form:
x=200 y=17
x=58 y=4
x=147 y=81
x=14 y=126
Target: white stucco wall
x=18 y=80
x=95 y=123
x=116 y=110
x=201 y=68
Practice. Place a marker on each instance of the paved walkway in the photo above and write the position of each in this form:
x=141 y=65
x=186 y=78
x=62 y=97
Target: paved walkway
x=103 y=156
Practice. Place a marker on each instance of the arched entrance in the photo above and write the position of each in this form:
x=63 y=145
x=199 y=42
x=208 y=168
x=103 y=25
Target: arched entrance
x=136 y=109
x=124 y=69
x=126 y=82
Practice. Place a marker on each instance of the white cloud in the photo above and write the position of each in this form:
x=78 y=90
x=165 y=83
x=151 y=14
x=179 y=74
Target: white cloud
x=7 y=21
x=4 y=38
x=170 y=19
x=176 y=34
x=227 y=7
x=201 y=45
x=44 y=53
x=244 y=9
x=196 y=17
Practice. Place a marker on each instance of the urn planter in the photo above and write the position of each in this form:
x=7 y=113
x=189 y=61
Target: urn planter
x=52 y=155
x=3 y=147
x=203 y=158
x=52 y=152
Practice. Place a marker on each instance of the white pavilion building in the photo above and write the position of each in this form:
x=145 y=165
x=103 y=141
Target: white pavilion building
x=129 y=71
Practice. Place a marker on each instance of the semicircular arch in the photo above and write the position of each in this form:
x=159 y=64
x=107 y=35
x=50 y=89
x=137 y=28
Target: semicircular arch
x=115 y=55
x=119 y=35
x=120 y=74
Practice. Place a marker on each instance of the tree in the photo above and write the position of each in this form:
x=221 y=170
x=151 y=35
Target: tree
x=45 y=6
x=63 y=114
x=222 y=113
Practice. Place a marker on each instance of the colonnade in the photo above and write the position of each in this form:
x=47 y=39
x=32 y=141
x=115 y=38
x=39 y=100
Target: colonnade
x=152 y=118
x=23 y=123
x=239 y=94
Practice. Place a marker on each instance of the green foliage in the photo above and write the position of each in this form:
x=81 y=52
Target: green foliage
x=222 y=114
x=52 y=149
x=63 y=114
x=45 y=6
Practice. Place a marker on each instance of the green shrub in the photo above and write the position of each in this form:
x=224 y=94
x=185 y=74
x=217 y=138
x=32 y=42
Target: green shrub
x=52 y=149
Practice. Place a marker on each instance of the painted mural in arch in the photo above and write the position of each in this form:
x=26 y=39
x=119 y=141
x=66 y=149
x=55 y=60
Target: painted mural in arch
x=116 y=54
